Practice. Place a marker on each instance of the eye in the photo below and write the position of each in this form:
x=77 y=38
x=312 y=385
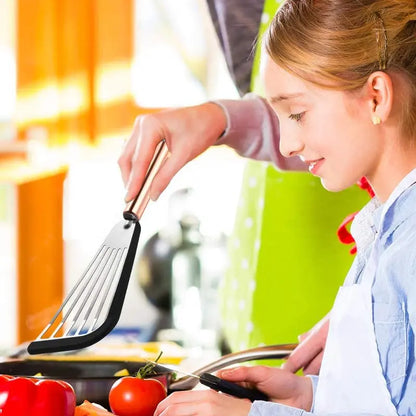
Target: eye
x=296 y=117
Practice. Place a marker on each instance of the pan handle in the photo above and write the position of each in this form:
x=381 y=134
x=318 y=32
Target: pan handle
x=278 y=351
x=135 y=208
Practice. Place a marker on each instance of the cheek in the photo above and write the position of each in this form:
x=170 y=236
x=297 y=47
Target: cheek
x=325 y=133
x=337 y=131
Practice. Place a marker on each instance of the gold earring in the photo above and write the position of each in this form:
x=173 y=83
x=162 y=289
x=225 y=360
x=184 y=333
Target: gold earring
x=376 y=120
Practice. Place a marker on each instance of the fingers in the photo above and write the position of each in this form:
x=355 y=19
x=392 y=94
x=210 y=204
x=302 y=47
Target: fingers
x=124 y=160
x=178 y=404
x=253 y=377
x=202 y=403
x=172 y=165
x=303 y=336
x=308 y=354
x=302 y=355
x=138 y=153
x=314 y=366
x=188 y=132
x=250 y=375
x=279 y=385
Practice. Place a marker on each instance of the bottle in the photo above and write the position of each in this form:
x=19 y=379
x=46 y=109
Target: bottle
x=186 y=280
x=198 y=266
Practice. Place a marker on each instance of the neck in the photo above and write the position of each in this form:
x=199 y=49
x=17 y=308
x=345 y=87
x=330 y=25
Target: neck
x=399 y=161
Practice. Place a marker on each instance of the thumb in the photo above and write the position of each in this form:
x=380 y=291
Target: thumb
x=251 y=375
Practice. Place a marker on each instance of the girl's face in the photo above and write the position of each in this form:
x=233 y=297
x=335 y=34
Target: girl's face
x=331 y=131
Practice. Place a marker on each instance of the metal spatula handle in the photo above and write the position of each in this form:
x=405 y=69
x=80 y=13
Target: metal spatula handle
x=135 y=208
x=277 y=351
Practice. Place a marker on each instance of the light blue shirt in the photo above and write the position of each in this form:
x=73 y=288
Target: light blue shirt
x=393 y=224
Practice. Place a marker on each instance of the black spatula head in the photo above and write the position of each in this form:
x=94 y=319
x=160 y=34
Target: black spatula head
x=93 y=307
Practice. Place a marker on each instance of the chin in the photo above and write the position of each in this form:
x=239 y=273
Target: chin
x=333 y=186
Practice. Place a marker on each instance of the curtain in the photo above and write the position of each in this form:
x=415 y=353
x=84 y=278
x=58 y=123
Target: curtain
x=73 y=69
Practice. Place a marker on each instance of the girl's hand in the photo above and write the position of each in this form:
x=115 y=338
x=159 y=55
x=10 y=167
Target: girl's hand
x=202 y=403
x=188 y=132
x=308 y=354
x=280 y=385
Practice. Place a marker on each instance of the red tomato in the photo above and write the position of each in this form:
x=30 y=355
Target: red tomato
x=132 y=396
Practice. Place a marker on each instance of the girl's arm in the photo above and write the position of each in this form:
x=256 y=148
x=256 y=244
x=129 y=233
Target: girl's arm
x=248 y=125
x=253 y=131
x=280 y=385
x=290 y=395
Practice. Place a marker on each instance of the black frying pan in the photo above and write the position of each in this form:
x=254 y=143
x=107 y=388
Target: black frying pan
x=92 y=380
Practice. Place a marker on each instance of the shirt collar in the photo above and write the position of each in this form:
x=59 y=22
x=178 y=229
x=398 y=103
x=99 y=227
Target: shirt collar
x=382 y=218
x=363 y=228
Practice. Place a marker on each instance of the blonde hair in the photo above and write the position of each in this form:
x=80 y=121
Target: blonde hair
x=338 y=44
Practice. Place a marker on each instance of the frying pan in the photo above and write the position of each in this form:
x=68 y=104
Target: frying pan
x=92 y=380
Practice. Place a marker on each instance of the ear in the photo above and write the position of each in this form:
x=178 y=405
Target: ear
x=380 y=94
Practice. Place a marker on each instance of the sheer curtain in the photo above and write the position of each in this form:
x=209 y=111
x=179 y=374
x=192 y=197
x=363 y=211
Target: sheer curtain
x=74 y=69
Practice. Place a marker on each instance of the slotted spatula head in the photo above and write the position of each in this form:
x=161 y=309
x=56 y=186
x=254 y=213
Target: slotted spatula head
x=93 y=306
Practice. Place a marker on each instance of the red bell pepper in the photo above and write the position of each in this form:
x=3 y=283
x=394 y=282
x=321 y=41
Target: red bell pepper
x=3 y=390
x=20 y=396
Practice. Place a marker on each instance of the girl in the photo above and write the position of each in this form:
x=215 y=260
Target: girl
x=341 y=76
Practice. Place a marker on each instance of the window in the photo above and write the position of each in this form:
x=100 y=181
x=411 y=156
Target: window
x=177 y=57
x=178 y=62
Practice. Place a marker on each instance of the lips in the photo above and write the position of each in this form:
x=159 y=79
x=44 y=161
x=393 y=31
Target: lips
x=314 y=165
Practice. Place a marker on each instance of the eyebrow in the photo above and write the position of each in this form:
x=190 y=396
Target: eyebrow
x=284 y=97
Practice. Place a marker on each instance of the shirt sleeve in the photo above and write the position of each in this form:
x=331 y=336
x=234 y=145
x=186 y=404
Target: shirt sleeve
x=253 y=131
x=260 y=408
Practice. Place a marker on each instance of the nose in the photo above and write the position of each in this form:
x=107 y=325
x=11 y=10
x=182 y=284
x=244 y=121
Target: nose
x=291 y=143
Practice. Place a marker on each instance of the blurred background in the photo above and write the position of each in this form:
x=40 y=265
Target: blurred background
x=73 y=77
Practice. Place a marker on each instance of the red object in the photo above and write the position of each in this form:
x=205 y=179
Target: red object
x=91 y=409
x=3 y=389
x=343 y=233
x=363 y=184
x=20 y=396
x=132 y=396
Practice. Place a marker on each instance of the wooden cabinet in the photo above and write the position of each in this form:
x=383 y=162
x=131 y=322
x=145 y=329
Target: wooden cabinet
x=31 y=249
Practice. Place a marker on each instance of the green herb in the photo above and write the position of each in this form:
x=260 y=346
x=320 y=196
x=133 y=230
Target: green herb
x=148 y=369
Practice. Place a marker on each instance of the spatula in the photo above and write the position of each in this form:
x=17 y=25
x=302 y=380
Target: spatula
x=92 y=308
